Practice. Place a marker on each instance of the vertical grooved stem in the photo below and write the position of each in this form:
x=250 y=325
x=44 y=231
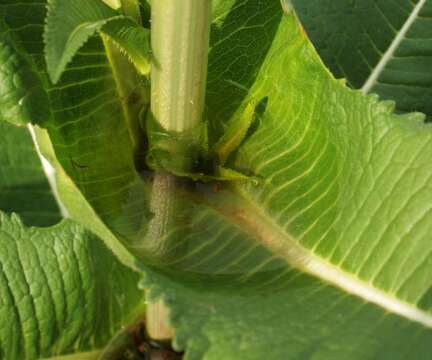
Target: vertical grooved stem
x=180 y=40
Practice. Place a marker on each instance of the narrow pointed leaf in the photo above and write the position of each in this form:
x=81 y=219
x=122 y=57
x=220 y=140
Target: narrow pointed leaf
x=133 y=40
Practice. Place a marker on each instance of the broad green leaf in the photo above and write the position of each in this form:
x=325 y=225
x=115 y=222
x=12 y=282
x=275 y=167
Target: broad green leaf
x=24 y=188
x=78 y=206
x=71 y=24
x=94 y=128
x=345 y=181
x=345 y=196
x=22 y=96
x=62 y=291
x=65 y=293
x=287 y=315
x=241 y=64
x=381 y=47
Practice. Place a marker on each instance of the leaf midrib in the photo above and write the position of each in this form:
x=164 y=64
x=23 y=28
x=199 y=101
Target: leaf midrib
x=252 y=219
x=50 y=173
x=388 y=55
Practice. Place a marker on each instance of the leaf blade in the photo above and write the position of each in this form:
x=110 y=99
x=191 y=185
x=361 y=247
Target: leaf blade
x=51 y=284
x=133 y=40
x=68 y=26
x=23 y=98
x=24 y=188
x=328 y=131
x=307 y=319
x=307 y=135
x=384 y=45
x=89 y=95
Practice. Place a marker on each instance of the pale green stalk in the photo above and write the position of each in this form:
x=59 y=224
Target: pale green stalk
x=180 y=36
x=180 y=41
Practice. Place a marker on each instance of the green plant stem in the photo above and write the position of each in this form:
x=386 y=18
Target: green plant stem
x=180 y=37
x=180 y=41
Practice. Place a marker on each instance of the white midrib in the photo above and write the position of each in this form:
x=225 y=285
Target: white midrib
x=375 y=74
x=253 y=219
x=50 y=174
